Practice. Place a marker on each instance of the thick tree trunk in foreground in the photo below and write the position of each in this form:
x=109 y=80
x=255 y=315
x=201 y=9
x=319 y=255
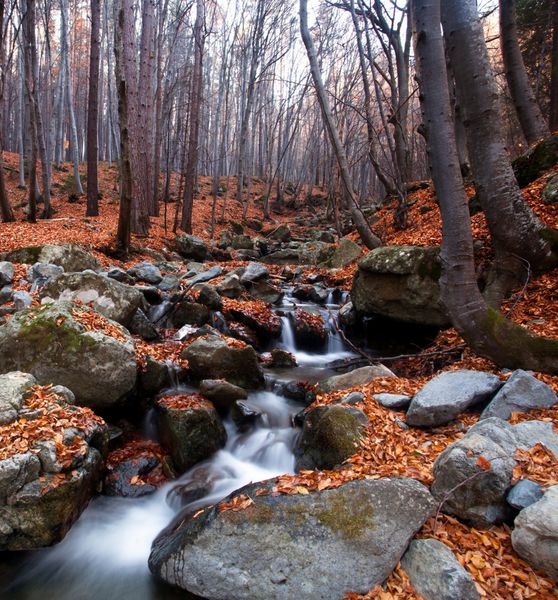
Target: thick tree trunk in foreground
x=93 y=112
x=195 y=108
x=123 y=14
x=518 y=235
x=553 y=116
x=485 y=330
x=528 y=111
x=367 y=236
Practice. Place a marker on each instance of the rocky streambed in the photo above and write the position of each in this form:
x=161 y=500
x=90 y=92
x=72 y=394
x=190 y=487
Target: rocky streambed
x=207 y=377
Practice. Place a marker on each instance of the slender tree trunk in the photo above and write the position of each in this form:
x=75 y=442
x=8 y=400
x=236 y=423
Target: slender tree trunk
x=363 y=228
x=123 y=20
x=553 y=113
x=69 y=95
x=528 y=111
x=195 y=107
x=30 y=50
x=93 y=112
x=483 y=328
x=21 y=101
x=518 y=235
x=5 y=206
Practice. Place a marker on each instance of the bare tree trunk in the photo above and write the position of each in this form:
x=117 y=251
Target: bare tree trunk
x=5 y=206
x=30 y=52
x=483 y=328
x=93 y=112
x=69 y=95
x=123 y=21
x=553 y=116
x=518 y=235
x=526 y=107
x=369 y=239
x=195 y=106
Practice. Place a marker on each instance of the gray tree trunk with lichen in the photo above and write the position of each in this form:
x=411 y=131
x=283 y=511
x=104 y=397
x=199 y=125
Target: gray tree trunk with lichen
x=485 y=330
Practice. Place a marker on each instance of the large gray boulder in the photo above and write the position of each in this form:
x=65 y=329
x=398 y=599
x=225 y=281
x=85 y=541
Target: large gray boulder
x=68 y=256
x=190 y=429
x=48 y=479
x=6 y=273
x=400 y=282
x=446 y=396
x=213 y=357
x=473 y=475
x=436 y=573
x=319 y=545
x=330 y=435
x=12 y=393
x=535 y=536
x=108 y=297
x=190 y=246
x=357 y=377
x=54 y=346
x=521 y=393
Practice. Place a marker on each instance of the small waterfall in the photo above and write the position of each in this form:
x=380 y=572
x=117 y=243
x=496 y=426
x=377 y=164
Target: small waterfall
x=287 y=339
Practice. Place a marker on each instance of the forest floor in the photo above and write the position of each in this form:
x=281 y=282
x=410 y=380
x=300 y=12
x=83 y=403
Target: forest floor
x=388 y=450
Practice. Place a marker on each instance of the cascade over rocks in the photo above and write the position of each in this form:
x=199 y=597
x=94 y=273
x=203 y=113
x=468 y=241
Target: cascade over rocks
x=474 y=474
x=45 y=486
x=213 y=357
x=110 y=298
x=400 y=282
x=446 y=396
x=53 y=345
x=319 y=545
x=70 y=257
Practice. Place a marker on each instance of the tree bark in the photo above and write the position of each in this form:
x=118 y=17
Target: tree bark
x=518 y=235
x=195 y=107
x=123 y=18
x=93 y=112
x=369 y=239
x=553 y=112
x=485 y=330
x=528 y=111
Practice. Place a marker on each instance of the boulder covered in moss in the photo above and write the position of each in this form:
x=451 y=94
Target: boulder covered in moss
x=345 y=253
x=320 y=544
x=190 y=429
x=66 y=344
x=214 y=357
x=536 y=161
x=401 y=283
x=330 y=435
x=70 y=257
x=110 y=298
x=49 y=476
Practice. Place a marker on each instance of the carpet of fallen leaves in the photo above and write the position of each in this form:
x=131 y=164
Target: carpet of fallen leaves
x=93 y=321
x=47 y=419
x=134 y=449
x=257 y=310
x=185 y=402
x=168 y=351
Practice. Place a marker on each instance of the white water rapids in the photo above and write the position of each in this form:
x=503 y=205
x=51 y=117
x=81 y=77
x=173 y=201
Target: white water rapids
x=104 y=556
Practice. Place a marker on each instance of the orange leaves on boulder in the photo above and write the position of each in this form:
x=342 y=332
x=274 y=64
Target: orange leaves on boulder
x=93 y=321
x=185 y=402
x=236 y=504
x=257 y=310
x=168 y=351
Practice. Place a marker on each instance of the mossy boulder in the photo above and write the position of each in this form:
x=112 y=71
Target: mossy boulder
x=550 y=191
x=321 y=544
x=68 y=256
x=536 y=161
x=330 y=435
x=401 y=283
x=344 y=254
x=213 y=357
x=50 y=343
x=45 y=485
x=190 y=429
x=110 y=298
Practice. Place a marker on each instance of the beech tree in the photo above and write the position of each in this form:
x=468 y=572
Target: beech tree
x=5 y=206
x=528 y=112
x=486 y=331
x=93 y=112
x=518 y=235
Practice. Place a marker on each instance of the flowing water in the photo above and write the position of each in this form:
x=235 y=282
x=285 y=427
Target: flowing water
x=104 y=556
